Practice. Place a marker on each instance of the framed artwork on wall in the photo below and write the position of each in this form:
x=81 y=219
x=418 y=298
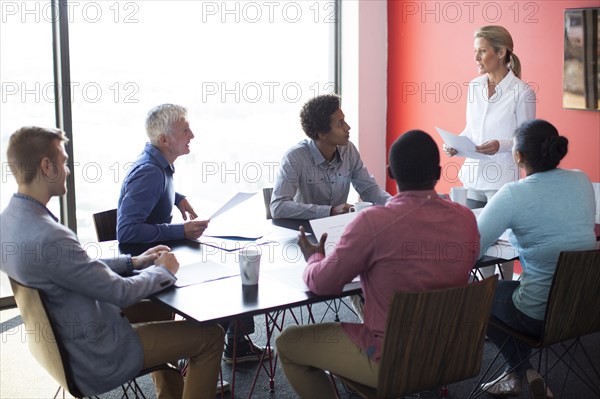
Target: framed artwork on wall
x=582 y=50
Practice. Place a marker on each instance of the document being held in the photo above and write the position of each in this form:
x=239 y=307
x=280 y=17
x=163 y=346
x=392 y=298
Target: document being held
x=463 y=145
x=334 y=226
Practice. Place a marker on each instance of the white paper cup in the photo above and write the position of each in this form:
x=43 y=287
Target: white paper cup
x=249 y=265
x=359 y=206
x=459 y=195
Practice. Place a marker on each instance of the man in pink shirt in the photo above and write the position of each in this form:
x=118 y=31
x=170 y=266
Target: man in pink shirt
x=417 y=241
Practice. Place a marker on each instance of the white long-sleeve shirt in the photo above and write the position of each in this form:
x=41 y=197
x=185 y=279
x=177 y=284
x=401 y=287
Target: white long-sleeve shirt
x=495 y=118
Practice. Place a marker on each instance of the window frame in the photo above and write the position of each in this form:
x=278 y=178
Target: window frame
x=63 y=106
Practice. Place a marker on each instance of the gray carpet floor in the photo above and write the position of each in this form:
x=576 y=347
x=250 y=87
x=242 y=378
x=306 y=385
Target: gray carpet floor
x=572 y=388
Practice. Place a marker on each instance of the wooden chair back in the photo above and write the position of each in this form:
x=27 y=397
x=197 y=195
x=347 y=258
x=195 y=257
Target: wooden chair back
x=43 y=345
x=573 y=308
x=434 y=338
x=47 y=350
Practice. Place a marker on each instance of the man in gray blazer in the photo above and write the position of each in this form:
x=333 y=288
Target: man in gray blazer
x=84 y=296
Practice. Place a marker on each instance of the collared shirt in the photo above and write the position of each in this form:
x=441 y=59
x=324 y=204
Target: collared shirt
x=146 y=201
x=495 y=118
x=308 y=186
x=38 y=203
x=83 y=296
x=548 y=212
x=417 y=242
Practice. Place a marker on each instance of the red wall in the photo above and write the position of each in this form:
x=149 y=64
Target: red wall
x=430 y=61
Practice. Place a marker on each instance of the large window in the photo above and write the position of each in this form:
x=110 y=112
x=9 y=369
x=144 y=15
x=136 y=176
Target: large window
x=27 y=90
x=243 y=69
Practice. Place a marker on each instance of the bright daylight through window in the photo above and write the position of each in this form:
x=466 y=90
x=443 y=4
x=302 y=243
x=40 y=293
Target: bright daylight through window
x=242 y=68
x=27 y=91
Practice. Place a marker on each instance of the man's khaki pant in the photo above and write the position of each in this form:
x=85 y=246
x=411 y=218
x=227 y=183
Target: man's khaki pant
x=306 y=351
x=166 y=341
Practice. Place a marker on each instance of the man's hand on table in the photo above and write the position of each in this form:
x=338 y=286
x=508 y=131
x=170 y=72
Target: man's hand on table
x=149 y=257
x=168 y=260
x=340 y=209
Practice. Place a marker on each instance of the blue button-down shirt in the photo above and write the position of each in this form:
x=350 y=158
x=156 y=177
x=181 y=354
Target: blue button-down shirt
x=146 y=201
x=308 y=186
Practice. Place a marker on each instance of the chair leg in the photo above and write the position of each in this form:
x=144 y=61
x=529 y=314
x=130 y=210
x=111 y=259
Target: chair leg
x=221 y=382
x=135 y=389
x=333 y=384
x=477 y=391
x=62 y=390
x=586 y=376
x=332 y=305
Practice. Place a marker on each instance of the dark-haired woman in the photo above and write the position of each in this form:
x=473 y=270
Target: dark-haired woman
x=549 y=211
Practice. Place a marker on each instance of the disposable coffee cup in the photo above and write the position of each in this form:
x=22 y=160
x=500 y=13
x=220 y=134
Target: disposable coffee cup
x=459 y=195
x=249 y=265
x=359 y=206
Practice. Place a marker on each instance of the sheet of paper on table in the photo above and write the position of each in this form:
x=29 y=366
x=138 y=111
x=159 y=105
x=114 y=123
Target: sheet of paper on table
x=281 y=235
x=202 y=272
x=232 y=243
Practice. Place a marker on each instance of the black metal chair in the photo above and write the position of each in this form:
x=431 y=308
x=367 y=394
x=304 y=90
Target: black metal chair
x=106 y=225
x=267 y=194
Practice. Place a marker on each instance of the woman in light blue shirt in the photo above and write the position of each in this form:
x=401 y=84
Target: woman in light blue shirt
x=549 y=211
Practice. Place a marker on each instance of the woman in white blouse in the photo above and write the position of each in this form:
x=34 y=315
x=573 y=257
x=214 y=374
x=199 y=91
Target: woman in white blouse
x=498 y=102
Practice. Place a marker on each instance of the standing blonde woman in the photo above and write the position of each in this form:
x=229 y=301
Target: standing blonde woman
x=498 y=102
